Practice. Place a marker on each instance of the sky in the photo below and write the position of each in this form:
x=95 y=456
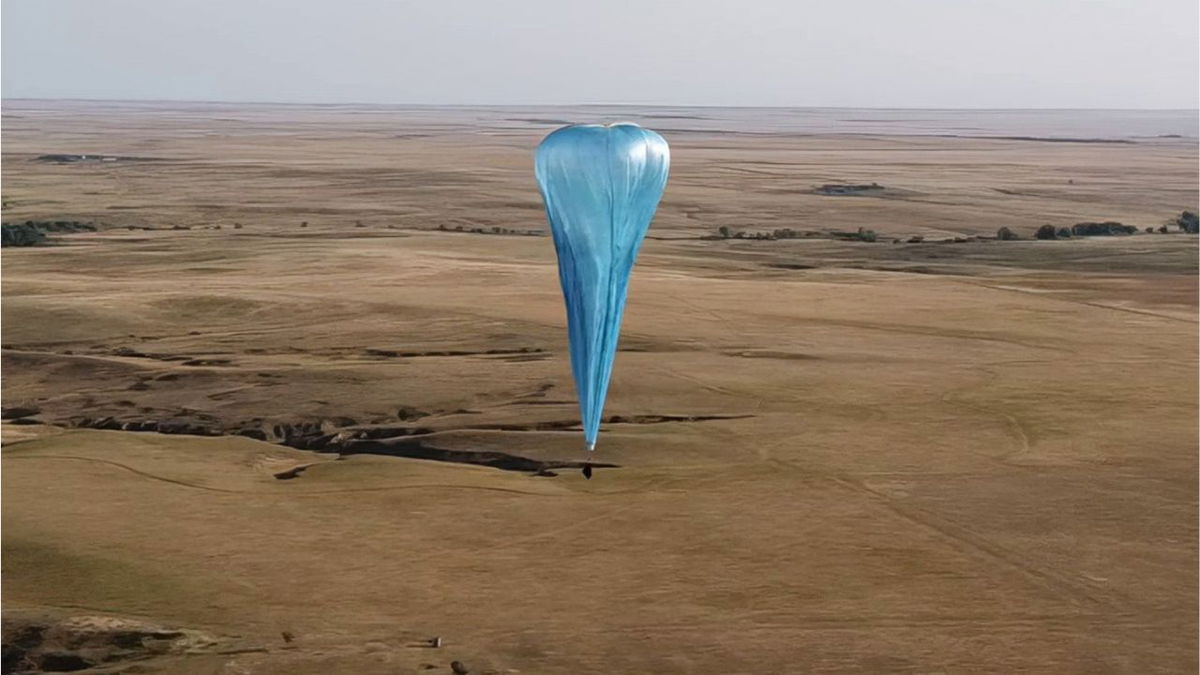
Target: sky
x=823 y=53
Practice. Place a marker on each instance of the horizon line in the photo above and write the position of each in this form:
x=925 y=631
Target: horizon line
x=574 y=105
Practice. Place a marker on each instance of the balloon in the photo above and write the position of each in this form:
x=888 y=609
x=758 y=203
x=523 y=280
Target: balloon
x=601 y=185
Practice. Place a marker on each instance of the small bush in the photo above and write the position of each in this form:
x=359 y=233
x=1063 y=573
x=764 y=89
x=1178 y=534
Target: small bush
x=1105 y=229
x=1046 y=232
x=1188 y=222
x=21 y=235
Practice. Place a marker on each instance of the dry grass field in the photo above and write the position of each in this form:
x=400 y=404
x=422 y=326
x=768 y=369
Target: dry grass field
x=833 y=456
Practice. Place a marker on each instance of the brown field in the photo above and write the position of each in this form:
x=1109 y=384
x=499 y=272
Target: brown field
x=834 y=456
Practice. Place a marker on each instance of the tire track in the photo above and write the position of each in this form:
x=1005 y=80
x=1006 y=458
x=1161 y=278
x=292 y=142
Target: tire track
x=303 y=493
x=125 y=467
x=1016 y=621
x=971 y=541
x=1014 y=426
x=255 y=493
x=1098 y=305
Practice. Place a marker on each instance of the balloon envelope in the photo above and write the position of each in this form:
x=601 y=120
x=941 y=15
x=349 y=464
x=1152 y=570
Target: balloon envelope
x=601 y=186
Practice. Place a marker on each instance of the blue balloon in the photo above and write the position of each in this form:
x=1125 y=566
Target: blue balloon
x=601 y=185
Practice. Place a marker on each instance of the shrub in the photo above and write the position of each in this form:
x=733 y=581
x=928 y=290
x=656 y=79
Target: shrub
x=1046 y=232
x=1105 y=229
x=21 y=235
x=1188 y=222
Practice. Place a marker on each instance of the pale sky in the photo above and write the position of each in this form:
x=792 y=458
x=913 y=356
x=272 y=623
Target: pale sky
x=869 y=53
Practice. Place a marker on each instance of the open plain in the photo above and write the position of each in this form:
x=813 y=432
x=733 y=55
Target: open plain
x=292 y=397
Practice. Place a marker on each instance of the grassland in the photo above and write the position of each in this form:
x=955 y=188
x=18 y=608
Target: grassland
x=834 y=456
